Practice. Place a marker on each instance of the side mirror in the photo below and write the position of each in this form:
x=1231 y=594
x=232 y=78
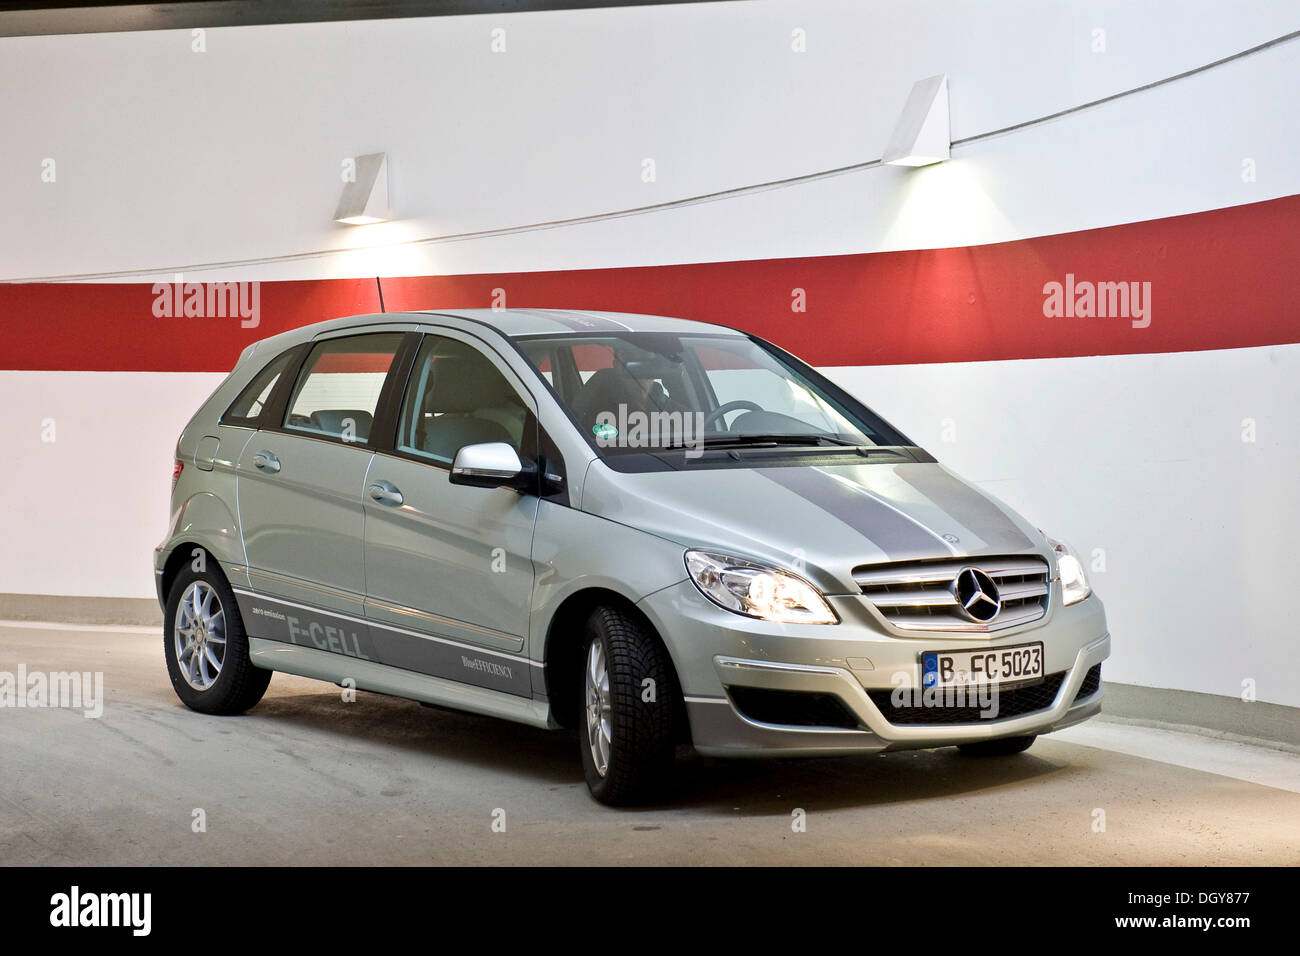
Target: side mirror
x=488 y=465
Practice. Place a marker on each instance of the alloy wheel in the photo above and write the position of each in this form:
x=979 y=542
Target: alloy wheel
x=598 y=707
x=200 y=635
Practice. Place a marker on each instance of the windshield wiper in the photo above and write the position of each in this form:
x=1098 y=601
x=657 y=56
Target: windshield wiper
x=712 y=441
x=762 y=441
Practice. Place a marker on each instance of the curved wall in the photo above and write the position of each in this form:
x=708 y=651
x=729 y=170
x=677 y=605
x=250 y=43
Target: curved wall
x=924 y=287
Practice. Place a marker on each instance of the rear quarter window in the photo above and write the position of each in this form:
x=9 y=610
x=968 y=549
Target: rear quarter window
x=247 y=408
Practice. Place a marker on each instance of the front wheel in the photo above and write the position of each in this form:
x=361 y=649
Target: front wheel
x=1001 y=747
x=206 y=648
x=631 y=702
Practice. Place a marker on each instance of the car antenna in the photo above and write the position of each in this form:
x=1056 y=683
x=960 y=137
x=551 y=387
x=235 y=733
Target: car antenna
x=379 y=285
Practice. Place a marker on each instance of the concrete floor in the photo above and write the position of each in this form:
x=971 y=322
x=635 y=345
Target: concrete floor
x=308 y=779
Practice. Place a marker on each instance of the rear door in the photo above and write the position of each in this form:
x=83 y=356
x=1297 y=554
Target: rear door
x=448 y=568
x=301 y=480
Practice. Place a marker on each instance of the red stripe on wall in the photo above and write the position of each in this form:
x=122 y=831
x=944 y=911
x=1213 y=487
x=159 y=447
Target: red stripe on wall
x=352 y=363
x=113 y=327
x=1228 y=278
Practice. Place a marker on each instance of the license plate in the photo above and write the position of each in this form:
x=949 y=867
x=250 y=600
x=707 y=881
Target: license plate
x=988 y=666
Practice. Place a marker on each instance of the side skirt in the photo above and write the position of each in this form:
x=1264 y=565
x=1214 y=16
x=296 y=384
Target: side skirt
x=383 y=679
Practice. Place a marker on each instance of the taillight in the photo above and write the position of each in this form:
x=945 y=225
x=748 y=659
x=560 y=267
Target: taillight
x=176 y=472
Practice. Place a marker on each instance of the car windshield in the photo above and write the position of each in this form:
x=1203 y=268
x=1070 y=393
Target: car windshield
x=654 y=391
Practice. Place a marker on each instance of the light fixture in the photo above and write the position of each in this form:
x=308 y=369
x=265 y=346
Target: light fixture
x=365 y=194
x=921 y=136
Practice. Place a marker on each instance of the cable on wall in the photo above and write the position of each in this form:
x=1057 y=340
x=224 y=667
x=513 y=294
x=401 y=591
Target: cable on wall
x=660 y=207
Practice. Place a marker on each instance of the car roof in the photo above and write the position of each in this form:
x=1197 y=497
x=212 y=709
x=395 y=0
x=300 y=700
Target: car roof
x=519 y=322
x=513 y=323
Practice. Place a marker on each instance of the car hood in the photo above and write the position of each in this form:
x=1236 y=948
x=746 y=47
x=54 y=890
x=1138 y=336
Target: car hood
x=825 y=519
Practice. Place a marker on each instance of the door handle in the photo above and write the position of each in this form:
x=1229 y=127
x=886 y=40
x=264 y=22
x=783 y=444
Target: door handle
x=385 y=492
x=265 y=461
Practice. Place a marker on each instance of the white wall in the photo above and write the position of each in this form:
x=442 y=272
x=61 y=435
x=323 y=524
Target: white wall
x=82 y=512
x=168 y=157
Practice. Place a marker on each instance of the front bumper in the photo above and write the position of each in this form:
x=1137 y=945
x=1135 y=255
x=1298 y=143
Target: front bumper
x=716 y=652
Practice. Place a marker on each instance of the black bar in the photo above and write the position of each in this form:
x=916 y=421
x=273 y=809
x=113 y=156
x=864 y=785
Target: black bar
x=41 y=19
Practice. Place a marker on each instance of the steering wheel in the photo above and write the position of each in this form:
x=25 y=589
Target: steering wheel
x=735 y=406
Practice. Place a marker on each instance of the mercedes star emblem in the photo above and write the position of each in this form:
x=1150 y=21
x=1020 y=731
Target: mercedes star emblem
x=977 y=594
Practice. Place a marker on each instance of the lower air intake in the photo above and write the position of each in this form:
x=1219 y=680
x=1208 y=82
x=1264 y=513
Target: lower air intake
x=792 y=708
x=1010 y=703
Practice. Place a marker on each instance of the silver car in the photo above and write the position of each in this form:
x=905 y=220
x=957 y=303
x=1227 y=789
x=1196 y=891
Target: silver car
x=651 y=531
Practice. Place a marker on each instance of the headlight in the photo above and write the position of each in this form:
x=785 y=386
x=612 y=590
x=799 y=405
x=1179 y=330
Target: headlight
x=757 y=590
x=1074 y=583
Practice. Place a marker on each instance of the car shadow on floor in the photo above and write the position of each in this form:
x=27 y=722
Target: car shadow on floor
x=471 y=739
x=825 y=783
x=759 y=786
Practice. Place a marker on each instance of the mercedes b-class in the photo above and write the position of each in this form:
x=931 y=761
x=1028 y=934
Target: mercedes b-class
x=653 y=532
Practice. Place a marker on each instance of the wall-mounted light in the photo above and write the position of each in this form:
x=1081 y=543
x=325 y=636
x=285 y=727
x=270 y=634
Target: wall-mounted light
x=921 y=136
x=365 y=193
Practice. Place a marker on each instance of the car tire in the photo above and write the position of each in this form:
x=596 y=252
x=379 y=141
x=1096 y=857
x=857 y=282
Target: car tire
x=1001 y=747
x=217 y=676
x=628 y=742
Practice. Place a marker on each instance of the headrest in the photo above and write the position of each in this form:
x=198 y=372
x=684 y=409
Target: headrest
x=333 y=420
x=465 y=382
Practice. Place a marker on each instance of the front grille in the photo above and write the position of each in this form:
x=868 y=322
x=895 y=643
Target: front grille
x=1011 y=703
x=792 y=708
x=921 y=595
x=1091 y=684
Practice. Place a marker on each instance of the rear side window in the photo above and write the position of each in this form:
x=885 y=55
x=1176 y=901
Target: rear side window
x=337 y=392
x=247 y=408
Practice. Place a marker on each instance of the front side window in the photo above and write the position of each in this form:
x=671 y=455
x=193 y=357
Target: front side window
x=337 y=391
x=457 y=397
x=655 y=391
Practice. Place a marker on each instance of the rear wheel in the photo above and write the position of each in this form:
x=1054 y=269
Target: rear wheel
x=206 y=648
x=1001 y=747
x=631 y=702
